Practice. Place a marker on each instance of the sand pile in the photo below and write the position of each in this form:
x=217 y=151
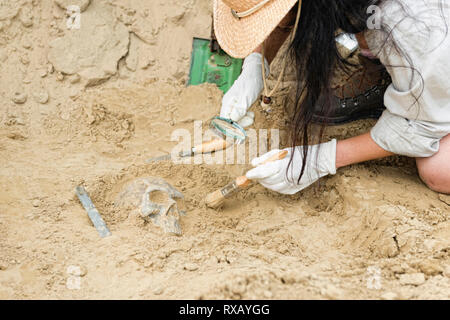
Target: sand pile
x=85 y=107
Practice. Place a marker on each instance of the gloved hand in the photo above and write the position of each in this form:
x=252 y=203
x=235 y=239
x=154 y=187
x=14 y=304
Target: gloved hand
x=274 y=175
x=245 y=90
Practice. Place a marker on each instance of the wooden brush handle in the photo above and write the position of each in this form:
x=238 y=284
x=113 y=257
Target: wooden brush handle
x=211 y=146
x=243 y=182
x=215 y=200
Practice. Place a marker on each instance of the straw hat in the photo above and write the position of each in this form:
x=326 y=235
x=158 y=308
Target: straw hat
x=242 y=25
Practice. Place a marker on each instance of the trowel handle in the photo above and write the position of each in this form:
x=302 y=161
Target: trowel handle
x=243 y=182
x=211 y=146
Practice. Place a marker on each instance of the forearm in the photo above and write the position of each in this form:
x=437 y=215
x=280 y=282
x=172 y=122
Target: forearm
x=358 y=149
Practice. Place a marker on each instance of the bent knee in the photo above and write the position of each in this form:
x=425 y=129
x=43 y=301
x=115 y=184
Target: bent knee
x=434 y=176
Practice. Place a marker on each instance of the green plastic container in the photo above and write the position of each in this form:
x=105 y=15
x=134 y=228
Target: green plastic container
x=212 y=67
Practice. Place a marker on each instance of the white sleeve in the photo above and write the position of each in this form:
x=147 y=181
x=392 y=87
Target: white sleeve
x=417 y=139
x=418 y=100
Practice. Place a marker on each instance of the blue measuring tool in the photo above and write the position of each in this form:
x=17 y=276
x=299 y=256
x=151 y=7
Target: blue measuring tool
x=92 y=211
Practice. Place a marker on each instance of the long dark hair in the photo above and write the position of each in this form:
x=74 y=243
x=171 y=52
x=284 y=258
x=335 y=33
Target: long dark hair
x=316 y=56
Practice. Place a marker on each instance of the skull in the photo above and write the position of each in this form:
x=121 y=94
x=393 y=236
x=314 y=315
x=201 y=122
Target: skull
x=162 y=211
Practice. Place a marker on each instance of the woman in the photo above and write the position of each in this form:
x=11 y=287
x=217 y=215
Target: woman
x=411 y=39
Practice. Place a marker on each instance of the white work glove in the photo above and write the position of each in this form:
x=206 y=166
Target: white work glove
x=245 y=90
x=274 y=175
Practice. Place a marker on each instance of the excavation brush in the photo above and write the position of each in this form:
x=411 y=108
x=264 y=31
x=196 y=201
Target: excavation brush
x=217 y=198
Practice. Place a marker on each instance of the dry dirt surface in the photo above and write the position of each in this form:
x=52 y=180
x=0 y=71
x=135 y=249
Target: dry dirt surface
x=89 y=106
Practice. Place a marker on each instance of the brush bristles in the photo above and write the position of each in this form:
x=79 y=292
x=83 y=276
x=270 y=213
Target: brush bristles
x=215 y=199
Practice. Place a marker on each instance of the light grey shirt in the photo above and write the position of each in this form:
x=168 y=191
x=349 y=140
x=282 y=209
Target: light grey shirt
x=418 y=100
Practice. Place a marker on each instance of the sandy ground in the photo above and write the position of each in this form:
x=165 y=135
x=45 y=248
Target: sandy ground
x=85 y=107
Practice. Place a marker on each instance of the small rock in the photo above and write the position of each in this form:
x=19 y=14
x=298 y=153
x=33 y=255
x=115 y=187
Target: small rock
x=16 y=136
x=16 y=121
x=3 y=266
x=190 y=267
x=26 y=18
x=398 y=269
x=30 y=216
x=389 y=296
x=20 y=121
x=59 y=76
x=75 y=78
x=239 y=288
x=41 y=97
x=292 y=277
x=268 y=294
x=125 y=124
x=331 y=292
x=19 y=97
x=27 y=22
x=43 y=73
x=447 y=271
x=414 y=279
x=148 y=62
x=36 y=203
x=158 y=291
x=430 y=268
x=26 y=43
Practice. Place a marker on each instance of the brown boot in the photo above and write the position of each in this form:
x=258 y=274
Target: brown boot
x=359 y=95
